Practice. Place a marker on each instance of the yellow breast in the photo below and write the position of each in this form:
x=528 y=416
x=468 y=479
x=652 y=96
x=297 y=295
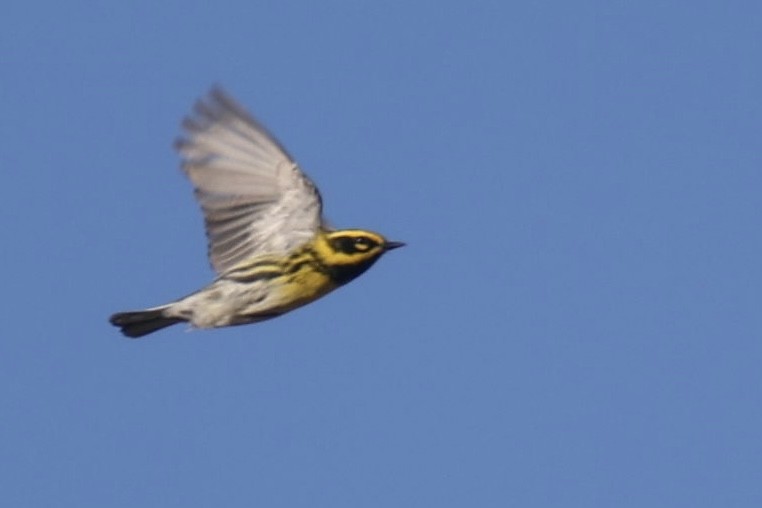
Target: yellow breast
x=305 y=285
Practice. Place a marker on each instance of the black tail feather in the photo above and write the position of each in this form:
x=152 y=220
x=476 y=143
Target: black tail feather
x=139 y=323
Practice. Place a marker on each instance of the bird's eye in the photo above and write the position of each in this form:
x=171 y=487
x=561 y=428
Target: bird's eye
x=362 y=244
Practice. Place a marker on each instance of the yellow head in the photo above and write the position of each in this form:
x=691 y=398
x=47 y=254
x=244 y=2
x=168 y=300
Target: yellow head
x=349 y=252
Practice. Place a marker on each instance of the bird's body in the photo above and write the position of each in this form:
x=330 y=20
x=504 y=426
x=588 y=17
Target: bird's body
x=268 y=242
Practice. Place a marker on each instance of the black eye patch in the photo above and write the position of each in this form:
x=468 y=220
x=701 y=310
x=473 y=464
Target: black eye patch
x=353 y=244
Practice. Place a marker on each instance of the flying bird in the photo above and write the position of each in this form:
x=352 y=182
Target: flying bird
x=268 y=242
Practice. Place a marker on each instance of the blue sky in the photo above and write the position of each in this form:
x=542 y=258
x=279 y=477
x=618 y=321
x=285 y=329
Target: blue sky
x=575 y=321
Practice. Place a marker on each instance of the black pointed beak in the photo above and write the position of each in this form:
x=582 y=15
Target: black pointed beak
x=393 y=245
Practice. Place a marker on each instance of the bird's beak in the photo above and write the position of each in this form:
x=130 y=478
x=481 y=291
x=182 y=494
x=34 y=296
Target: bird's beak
x=393 y=245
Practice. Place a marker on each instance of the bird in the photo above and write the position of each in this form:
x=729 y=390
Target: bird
x=269 y=244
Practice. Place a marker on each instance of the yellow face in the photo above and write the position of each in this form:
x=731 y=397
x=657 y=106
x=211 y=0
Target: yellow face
x=353 y=246
x=350 y=252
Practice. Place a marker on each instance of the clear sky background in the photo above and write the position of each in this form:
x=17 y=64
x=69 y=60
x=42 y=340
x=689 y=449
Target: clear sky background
x=575 y=322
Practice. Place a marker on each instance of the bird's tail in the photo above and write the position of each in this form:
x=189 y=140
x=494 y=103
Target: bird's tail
x=142 y=322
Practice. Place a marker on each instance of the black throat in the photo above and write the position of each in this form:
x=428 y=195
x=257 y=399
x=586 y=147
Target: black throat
x=341 y=274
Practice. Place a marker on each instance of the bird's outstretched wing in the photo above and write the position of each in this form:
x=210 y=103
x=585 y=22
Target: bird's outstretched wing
x=254 y=197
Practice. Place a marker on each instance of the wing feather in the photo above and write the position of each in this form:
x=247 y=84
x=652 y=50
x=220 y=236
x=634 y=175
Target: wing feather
x=254 y=197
